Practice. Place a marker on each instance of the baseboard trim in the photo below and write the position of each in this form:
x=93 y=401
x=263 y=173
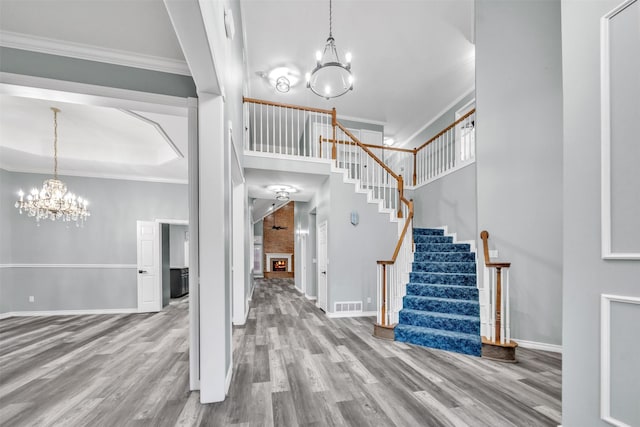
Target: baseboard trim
x=352 y=314
x=538 y=345
x=68 y=312
x=227 y=380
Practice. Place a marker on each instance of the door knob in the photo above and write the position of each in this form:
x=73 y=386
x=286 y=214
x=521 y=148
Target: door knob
x=142 y=271
x=323 y=272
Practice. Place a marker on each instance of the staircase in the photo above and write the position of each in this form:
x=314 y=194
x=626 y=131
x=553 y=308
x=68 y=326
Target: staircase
x=441 y=307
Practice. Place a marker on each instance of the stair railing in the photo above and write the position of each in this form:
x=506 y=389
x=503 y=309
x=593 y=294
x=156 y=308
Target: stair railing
x=392 y=276
x=285 y=129
x=499 y=308
x=452 y=147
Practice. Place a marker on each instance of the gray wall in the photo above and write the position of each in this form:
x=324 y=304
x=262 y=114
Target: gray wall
x=108 y=237
x=519 y=155
x=585 y=274
x=440 y=123
x=36 y=64
x=354 y=250
x=177 y=239
x=451 y=201
x=301 y=224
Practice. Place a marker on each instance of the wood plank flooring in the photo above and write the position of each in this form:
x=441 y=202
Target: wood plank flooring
x=293 y=366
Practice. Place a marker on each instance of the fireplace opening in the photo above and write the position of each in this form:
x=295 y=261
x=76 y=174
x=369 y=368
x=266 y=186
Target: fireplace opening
x=278 y=265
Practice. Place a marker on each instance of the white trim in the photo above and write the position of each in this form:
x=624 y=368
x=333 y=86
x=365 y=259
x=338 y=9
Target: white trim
x=227 y=380
x=534 y=345
x=44 y=171
x=276 y=255
x=605 y=129
x=158 y=128
x=172 y=221
x=68 y=312
x=97 y=266
x=361 y=120
x=310 y=298
x=352 y=314
x=605 y=354
x=437 y=116
x=93 y=53
x=442 y=175
x=278 y=156
x=87 y=94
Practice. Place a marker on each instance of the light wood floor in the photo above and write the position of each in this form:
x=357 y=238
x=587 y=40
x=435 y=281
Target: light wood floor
x=292 y=366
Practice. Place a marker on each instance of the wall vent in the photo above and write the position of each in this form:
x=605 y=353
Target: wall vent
x=348 y=307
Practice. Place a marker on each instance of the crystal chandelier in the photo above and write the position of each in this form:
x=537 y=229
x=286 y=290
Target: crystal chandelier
x=331 y=77
x=52 y=201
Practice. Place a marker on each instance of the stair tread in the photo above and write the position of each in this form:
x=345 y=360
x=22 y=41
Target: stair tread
x=444 y=315
x=439 y=284
x=448 y=300
x=442 y=332
x=449 y=274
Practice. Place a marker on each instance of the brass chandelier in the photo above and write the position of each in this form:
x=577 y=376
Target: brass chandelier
x=53 y=201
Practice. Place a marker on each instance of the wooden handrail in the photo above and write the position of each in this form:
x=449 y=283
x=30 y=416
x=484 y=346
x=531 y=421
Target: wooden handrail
x=484 y=235
x=295 y=107
x=442 y=132
x=382 y=147
x=366 y=150
x=402 y=235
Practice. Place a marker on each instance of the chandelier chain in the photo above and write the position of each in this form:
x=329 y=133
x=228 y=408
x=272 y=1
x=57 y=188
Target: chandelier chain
x=330 y=20
x=55 y=142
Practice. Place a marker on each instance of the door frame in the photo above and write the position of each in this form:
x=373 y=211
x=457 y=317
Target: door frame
x=324 y=224
x=103 y=96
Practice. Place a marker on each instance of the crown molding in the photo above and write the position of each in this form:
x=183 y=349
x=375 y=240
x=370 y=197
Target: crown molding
x=94 y=174
x=92 y=53
x=436 y=117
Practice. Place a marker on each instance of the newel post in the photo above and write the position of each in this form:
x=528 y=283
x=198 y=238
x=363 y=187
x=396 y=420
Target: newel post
x=400 y=194
x=320 y=144
x=415 y=162
x=384 y=295
x=334 y=124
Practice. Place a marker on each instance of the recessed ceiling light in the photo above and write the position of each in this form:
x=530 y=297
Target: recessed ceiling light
x=276 y=188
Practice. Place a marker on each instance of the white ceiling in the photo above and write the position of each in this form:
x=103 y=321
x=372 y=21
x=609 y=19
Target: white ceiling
x=134 y=26
x=92 y=141
x=257 y=180
x=411 y=59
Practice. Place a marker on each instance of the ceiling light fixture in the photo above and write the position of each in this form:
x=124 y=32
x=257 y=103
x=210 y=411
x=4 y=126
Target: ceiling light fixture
x=52 y=201
x=331 y=77
x=282 y=196
x=388 y=141
x=282 y=84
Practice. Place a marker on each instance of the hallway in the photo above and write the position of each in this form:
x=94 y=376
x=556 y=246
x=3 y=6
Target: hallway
x=292 y=366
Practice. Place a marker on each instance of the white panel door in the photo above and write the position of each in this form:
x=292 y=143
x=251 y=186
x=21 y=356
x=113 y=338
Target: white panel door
x=149 y=283
x=322 y=266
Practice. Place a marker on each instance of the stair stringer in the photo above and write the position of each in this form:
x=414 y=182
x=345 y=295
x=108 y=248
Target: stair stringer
x=393 y=215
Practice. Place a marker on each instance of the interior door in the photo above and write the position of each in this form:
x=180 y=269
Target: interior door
x=322 y=266
x=149 y=283
x=303 y=263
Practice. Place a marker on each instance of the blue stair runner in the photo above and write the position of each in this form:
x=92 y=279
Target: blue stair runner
x=441 y=309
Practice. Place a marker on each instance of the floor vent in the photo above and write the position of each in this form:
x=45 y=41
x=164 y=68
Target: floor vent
x=348 y=307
